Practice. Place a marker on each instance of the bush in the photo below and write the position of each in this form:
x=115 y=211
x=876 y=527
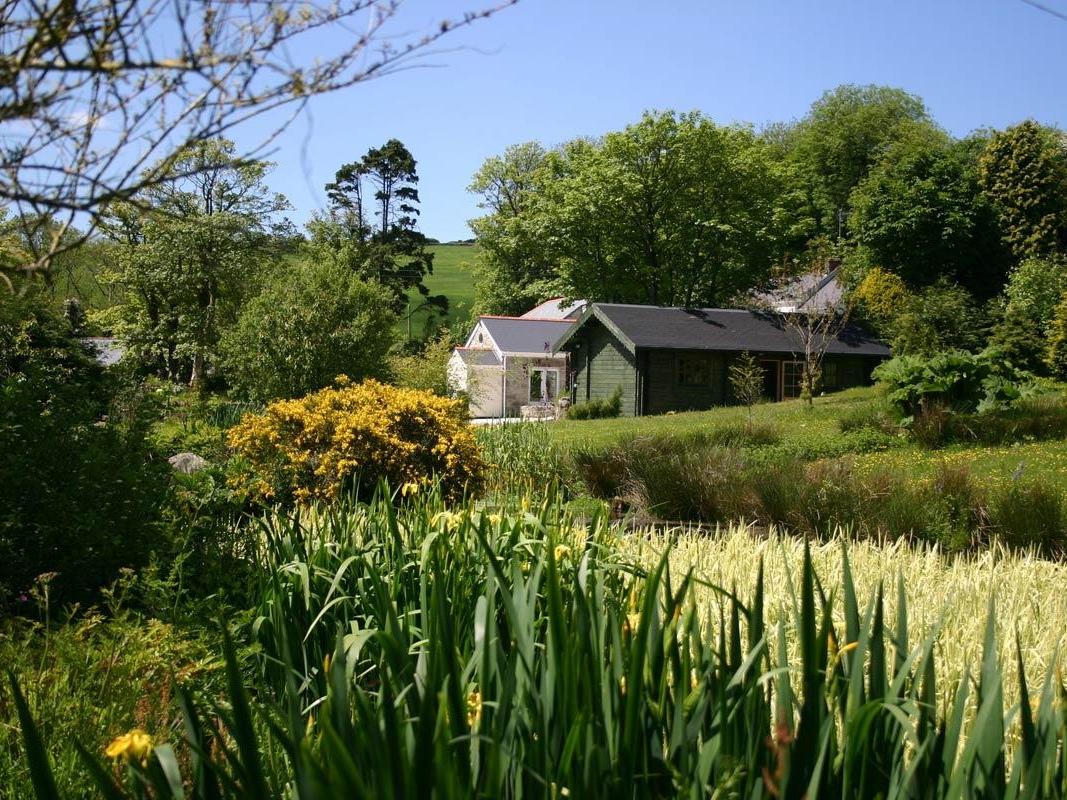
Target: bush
x=352 y=436
x=426 y=370
x=940 y=317
x=604 y=408
x=79 y=493
x=955 y=381
x=1029 y=514
x=310 y=325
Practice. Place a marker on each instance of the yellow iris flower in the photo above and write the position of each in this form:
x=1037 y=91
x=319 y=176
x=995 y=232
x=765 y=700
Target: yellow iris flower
x=135 y=745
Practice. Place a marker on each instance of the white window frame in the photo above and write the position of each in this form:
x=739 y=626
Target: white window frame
x=800 y=379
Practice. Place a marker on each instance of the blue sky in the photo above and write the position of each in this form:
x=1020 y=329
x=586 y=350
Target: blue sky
x=550 y=70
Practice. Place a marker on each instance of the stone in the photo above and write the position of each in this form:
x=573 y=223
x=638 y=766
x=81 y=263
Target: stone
x=188 y=463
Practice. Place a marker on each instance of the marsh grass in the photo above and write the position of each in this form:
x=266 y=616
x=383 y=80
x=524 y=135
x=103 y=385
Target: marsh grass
x=406 y=649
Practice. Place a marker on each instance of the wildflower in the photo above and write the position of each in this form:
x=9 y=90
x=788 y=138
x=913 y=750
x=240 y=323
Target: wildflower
x=409 y=489
x=496 y=519
x=474 y=709
x=561 y=551
x=129 y=746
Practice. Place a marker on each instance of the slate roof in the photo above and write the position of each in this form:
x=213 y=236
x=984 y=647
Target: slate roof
x=556 y=309
x=521 y=335
x=106 y=350
x=478 y=356
x=810 y=291
x=734 y=330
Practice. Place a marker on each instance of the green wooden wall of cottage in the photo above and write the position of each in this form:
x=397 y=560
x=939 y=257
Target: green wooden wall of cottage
x=652 y=382
x=601 y=364
x=664 y=391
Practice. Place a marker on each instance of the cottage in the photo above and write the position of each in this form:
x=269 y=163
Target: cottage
x=677 y=359
x=507 y=363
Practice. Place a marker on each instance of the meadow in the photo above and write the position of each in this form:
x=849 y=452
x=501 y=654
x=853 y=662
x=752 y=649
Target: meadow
x=540 y=640
x=404 y=648
x=453 y=266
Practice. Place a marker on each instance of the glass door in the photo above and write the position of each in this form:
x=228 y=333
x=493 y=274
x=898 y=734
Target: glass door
x=544 y=384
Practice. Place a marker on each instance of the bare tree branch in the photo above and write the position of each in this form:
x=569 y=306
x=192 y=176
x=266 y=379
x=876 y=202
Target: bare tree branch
x=98 y=98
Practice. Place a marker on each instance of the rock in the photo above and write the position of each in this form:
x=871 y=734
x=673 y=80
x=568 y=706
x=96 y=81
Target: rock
x=188 y=463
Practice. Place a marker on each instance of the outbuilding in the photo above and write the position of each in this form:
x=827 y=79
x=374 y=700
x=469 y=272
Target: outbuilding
x=678 y=359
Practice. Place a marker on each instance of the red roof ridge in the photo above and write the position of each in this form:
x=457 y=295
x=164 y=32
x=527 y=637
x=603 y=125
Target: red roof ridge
x=527 y=319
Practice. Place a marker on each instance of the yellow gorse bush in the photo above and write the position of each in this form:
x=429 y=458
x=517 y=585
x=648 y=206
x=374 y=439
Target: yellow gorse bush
x=312 y=448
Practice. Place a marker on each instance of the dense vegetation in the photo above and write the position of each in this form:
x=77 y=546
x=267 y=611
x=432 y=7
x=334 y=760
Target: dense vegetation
x=336 y=587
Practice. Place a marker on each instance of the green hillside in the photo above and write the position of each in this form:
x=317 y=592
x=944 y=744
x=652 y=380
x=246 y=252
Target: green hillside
x=453 y=276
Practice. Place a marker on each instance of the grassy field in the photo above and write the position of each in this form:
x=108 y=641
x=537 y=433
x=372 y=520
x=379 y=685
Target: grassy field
x=795 y=420
x=453 y=266
x=816 y=432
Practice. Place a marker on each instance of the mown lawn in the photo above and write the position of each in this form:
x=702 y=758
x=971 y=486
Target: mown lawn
x=815 y=432
x=795 y=421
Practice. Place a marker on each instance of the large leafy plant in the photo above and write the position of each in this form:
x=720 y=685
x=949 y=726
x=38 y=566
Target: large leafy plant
x=953 y=381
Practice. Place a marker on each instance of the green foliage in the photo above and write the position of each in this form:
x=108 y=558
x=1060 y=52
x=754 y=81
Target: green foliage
x=1023 y=172
x=372 y=227
x=920 y=214
x=78 y=495
x=187 y=264
x=842 y=137
x=1020 y=338
x=85 y=676
x=425 y=369
x=598 y=408
x=1035 y=288
x=547 y=631
x=522 y=459
x=1030 y=514
x=307 y=327
x=671 y=210
x=953 y=381
x=939 y=317
x=513 y=274
x=1056 y=355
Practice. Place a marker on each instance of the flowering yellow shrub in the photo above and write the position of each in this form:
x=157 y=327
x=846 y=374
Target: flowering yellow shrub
x=316 y=446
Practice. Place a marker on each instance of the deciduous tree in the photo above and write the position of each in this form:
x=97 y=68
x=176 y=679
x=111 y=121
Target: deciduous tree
x=1023 y=171
x=188 y=261
x=101 y=96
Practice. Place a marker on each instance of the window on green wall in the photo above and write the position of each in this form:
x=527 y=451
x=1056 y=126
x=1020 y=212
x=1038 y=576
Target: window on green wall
x=693 y=371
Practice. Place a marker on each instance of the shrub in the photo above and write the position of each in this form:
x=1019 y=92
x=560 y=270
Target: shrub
x=1056 y=354
x=79 y=493
x=743 y=434
x=940 y=317
x=426 y=369
x=879 y=299
x=687 y=482
x=311 y=324
x=956 y=381
x=353 y=435
x=603 y=408
x=1029 y=514
x=1031 y=418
